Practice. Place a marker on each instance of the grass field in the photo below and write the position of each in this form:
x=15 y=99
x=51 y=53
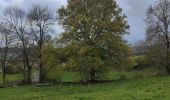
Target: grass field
x=153 y=88
x=127 y=86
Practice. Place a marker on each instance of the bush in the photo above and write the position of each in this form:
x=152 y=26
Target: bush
x=141 y=63
x=122 y=77
x=14 y=69
x=52 y=76
x=129 y=63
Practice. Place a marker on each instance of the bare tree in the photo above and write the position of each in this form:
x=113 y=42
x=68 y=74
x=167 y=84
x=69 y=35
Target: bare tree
x=6 y=40
x=158 y=27
x=16 y=19
x=41 y=20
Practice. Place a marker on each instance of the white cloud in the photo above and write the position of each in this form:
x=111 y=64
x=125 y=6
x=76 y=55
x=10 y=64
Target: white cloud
x=135 y=10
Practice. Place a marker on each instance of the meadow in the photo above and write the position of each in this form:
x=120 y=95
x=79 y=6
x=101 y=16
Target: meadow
x=153 y=88
x=133 y=85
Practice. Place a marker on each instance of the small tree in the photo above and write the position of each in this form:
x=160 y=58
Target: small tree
x=93 y=35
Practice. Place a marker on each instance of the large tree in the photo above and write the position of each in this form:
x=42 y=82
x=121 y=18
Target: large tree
x=93 y=35
x=158 y=28
x=41 y=20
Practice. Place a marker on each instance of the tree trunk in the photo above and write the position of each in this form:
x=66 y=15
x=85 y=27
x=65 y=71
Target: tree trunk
x=4 y=65
x=24 y=70
x=41 y=74
x=27 y=65
x=40 y=44
x=92 y=75
x=29 y=75
x=167 y=65
x=29 y=70
x=168 y=70
x=41 y=70
x=3 y=75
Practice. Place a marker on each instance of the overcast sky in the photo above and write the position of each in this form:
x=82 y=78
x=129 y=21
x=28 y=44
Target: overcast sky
x=134 y=9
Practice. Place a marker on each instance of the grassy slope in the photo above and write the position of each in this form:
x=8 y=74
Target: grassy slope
x=154 y=88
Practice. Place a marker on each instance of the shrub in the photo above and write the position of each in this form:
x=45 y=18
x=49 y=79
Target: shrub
x=141 y=63
x=14 y=69
x=122 y=77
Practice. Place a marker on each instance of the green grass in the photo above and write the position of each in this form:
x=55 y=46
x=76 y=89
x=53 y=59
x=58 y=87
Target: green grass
x=65 y=76
x=114 y=75
x=134 y=85
x=11 y=77
x=153 y=88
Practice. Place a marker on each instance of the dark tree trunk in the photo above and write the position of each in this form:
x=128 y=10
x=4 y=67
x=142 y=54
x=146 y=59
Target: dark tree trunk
x=92 y=75
x=27 y=73
x=40 y=44
x=24 y=70
x=29 y=70
x=41 y=70
x=167 y=65
x=4 y=65
x=41 y=74
x=3 y=75
x=168 y=70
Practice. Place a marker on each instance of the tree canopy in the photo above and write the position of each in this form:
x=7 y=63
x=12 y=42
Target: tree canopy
x=93 y=35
